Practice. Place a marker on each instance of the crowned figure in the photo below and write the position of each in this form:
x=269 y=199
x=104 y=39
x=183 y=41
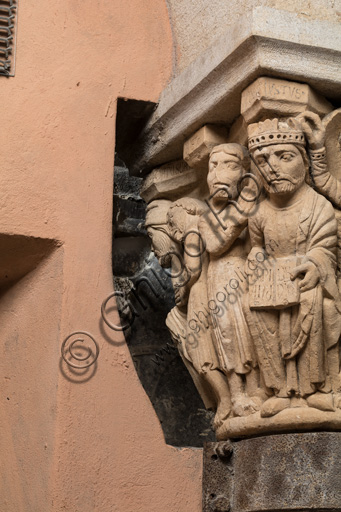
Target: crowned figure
x=293 y=309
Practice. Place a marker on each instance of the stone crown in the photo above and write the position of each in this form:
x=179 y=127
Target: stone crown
x=275 y=131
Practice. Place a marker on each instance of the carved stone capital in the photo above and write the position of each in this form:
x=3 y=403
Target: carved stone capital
x=271 y=97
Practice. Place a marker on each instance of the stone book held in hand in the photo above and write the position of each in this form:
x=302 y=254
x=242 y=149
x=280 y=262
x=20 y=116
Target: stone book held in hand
x=275 y=289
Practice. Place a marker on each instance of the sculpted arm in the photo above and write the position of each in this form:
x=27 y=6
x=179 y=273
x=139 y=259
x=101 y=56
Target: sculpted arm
x=256 y=233
x=323 y=244
x=183 y=225
x=219 y=235
x=257 y=242
x=216 y=239
x=325 y=182
x=319 y=263
x=193 y=253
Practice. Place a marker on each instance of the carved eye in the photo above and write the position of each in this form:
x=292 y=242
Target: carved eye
x=232 y=166
x=287 y=157
x=261 y=161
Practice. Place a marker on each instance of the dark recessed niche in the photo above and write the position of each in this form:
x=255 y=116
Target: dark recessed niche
x=147 y=298
x=131 y=117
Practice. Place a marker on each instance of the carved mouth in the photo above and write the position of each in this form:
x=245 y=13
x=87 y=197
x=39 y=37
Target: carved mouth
x=279 y=180
x=222 y=187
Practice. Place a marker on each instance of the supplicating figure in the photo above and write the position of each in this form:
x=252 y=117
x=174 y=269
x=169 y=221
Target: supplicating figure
x=224 y=232
x=183 y=217
x=173 y=230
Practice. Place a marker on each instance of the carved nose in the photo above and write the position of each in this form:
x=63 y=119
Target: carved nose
x=274 y=165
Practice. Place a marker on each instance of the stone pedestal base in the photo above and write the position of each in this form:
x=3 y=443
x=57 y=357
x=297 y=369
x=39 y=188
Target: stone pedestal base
x=290 y=420
x=285 y=472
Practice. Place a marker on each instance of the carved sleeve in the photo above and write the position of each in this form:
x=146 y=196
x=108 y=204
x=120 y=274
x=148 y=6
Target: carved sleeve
x=193 y=252
x=256 y=232
x=325 y=182
x=321 y=247
x=217 y=236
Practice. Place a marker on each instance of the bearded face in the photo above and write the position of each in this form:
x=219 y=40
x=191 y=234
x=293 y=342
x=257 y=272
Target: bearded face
x=281 y=167
x=224 y=173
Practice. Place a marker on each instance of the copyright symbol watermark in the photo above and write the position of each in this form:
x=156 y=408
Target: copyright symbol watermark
x=80 y=350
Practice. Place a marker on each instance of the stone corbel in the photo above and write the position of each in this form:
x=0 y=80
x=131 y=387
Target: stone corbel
x=266 y=42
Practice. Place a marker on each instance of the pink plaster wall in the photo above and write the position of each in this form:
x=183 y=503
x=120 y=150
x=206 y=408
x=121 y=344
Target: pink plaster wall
x=95 y=446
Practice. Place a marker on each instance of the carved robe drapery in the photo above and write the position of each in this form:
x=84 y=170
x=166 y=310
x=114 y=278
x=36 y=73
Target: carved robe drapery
x=264 y=338
x=289 y=345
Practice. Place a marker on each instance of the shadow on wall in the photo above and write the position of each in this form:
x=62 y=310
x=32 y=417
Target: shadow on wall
x=147 y=288
x=30 y=312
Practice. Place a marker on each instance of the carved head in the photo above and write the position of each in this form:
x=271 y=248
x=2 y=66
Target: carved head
x=227 y=164
x=277 y=147
x=157 y=228
x=183 y=216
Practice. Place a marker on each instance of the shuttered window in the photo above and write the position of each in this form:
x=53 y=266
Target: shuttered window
x=8 y=14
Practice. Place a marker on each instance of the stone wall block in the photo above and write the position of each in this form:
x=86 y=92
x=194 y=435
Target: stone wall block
x=271 y=97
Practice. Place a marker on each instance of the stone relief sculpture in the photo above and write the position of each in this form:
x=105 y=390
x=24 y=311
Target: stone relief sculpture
x=326 y=163
x=227 y=247
x=294 y=310
x=254 y=266
x=174 y=232
x=183 y=218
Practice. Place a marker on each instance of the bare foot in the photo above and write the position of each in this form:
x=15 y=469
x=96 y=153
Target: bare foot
x=321 y=401
x=273 y=406
x=243 y=405
x=223 y=412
